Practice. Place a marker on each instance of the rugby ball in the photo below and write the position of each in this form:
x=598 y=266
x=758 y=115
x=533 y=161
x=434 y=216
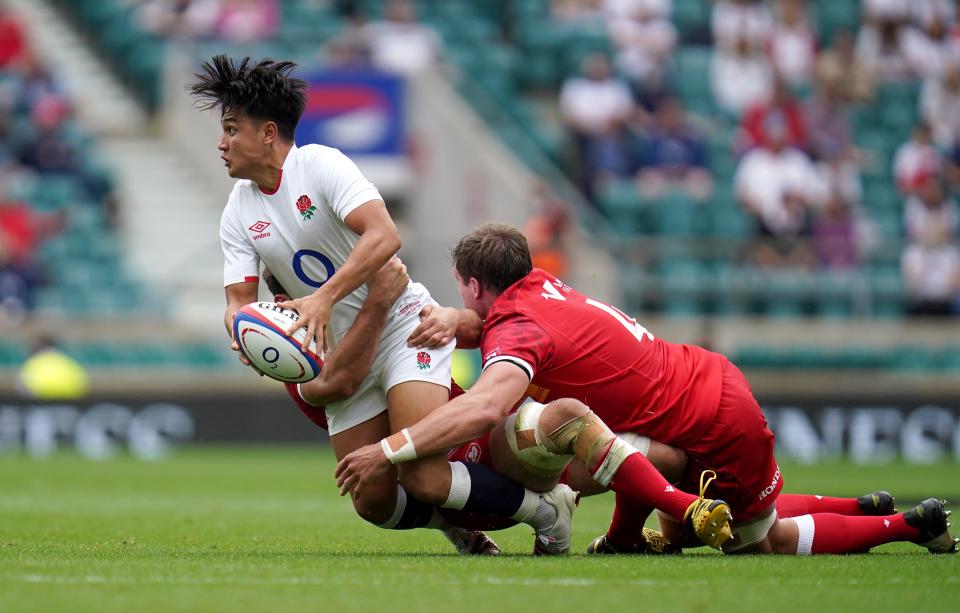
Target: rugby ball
x=260 y=329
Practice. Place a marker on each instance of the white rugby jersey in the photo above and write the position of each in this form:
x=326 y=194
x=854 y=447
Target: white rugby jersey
x=299 y=233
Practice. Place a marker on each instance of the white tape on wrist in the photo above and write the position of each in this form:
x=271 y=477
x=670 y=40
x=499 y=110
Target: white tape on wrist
x=399 y=447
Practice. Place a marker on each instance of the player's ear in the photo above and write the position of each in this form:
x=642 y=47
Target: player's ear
x=475 y=288
x=269 y=130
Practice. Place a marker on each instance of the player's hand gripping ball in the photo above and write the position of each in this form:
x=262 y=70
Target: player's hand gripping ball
x=260 y=330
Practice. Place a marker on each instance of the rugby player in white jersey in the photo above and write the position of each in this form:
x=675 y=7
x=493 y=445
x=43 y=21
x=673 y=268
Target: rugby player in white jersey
x=322 y=228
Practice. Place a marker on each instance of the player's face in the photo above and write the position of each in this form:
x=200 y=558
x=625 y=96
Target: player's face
x=467 y=293
x=241 y=144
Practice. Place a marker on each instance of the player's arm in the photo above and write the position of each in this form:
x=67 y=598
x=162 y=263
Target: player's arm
x=345 y=368
x=379 y=240
x=439 y=325
x=499 y=388
x=238 y=295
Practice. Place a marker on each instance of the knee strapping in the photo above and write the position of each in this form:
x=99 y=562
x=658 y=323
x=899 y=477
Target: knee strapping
x=585 y=437
x=589 y=439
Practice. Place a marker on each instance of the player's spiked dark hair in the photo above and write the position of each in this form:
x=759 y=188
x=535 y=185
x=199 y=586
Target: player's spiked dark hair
x=494 y=254
x=263 y=91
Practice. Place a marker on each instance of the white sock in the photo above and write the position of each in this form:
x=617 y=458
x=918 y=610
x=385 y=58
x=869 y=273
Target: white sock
x=544 y=517
x=459 y=487
x=805 y=532
x=398 y=510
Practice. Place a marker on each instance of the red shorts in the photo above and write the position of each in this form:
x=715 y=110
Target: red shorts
x=738 y=446
x=476 y=451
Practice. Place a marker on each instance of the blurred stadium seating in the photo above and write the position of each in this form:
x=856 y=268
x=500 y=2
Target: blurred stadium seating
x=679 y=257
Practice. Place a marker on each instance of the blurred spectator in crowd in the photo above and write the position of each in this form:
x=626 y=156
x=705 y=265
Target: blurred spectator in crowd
x=350 y=47
x=829 y=127
x=930 y=50
x=886 y=10
x=792 y=43
x=931 y=207
x=740 y=77
x=49 y=151
x=927 y=12
x=21 y=231
x=951 y=167
x=840 y=69
x=34 y=82
x=882 y=46
x=625 y=8
x=170 y=18
x=51 y=374
x=916 y=160
x=580 y=12
x=738 y=22
x=246 y=20
x=834 y=234
x=400 y=44
x=779 y=186
x=644 y=38
x=940 y=107
x=596 y=107
x=13 y=46
x=674 y=155
x=784 y=104
x=233 y=20
x=931 y=273
x=548 y=231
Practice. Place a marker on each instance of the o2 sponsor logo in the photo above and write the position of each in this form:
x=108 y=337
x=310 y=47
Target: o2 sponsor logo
x=310 y=254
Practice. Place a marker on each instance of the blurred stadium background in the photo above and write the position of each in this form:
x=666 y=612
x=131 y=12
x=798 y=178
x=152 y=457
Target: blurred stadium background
x=773 y=180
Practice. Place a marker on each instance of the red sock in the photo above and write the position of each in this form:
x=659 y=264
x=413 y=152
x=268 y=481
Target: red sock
x=793 y=505
x=638 y=479
x=832 y=533
x=626 y=527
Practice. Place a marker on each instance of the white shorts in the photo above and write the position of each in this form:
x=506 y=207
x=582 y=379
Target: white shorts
x=395 y=363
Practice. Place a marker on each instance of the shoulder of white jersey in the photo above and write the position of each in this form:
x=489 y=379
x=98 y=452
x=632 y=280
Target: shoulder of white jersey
x=321 y=153
x=241 y=186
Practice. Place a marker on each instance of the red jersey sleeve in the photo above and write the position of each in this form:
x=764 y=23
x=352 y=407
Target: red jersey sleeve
x=517 y=339
x=315 y=414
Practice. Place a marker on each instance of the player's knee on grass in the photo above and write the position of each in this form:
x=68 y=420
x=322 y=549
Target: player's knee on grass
x=427 y=480
x=783 y=537
x=376 y=504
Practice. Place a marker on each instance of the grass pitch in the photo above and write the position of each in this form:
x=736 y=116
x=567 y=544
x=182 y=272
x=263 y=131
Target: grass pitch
x=263 y=529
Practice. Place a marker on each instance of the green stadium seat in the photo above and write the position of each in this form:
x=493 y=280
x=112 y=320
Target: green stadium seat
x=835 y=294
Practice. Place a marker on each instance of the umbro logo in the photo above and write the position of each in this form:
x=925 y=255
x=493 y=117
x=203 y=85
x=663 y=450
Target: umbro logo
x=259 y=229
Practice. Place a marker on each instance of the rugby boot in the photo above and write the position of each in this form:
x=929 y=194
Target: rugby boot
x=878 y=503
x=471 y=542
x=709 y=519
x=555 y=540
x=930 y=518
x=654 y=543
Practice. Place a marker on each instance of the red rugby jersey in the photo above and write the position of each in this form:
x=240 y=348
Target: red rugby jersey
x=572 y=346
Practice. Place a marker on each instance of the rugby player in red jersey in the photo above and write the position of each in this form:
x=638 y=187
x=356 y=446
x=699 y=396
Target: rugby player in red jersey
x=349 y=364
x=591 y=362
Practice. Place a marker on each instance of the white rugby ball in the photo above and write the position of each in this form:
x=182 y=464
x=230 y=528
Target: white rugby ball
x=260 y=330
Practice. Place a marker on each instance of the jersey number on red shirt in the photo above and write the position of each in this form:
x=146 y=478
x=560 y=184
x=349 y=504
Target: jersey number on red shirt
x=550 y=292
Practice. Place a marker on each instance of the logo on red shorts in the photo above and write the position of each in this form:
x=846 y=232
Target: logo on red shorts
x=423 y=360
x=473 y=453
x=773 y=485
